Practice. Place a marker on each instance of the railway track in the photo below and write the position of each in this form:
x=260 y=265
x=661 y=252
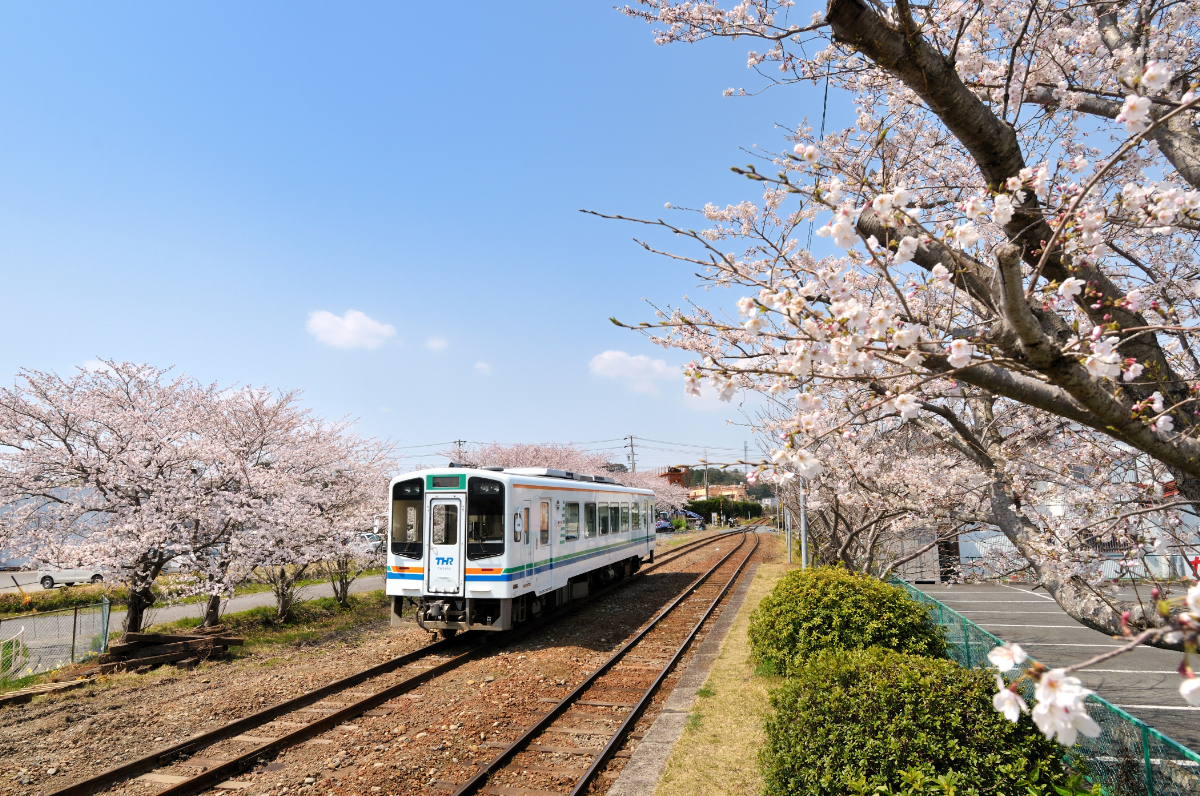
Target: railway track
x=533 y=763
x=277 y=729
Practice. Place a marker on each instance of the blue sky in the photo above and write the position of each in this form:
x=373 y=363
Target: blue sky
x=187 y=184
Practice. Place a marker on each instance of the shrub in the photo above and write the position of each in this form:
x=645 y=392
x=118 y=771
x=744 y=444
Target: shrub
x=883 y=717
x=830 y=607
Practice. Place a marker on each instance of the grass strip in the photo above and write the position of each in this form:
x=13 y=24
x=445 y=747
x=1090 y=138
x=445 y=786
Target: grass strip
x=312 y=622
x=718 y=752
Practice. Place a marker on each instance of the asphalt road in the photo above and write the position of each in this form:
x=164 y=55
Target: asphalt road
x=1144 y=682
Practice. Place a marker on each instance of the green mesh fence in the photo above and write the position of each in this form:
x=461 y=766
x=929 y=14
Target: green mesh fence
x=1129 y=758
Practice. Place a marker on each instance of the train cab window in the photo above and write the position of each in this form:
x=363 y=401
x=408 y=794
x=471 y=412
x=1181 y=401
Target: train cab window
x=570 y=521
x=604 y=519
x=614 y=517
x=636 y=516
x=445 y=523
x=485 y=518
x=589 y=516
x=624 y=518
x=408 y=510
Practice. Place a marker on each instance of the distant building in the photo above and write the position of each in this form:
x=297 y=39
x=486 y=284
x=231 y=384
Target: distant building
x=731 y=491
x=675 y=475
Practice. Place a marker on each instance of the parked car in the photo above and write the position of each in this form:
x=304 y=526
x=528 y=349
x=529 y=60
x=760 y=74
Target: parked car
x=49 y=578
x=663 y=526
x=372 y=541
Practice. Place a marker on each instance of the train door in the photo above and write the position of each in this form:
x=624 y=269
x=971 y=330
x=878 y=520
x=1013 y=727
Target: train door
x=444 y=562
x=543 y=576
x=526 y=557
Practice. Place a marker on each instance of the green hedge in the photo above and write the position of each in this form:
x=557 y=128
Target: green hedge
x=730 y=508
x=832 y=608
x=849 y=721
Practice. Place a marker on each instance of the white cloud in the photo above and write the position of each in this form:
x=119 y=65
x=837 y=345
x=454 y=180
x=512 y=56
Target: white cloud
x=638 y=372
x=483 y=368
x=437 y=343
x=353 y=330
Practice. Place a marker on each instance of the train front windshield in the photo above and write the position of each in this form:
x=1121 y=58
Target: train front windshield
x=485 y=518
x=408 y=509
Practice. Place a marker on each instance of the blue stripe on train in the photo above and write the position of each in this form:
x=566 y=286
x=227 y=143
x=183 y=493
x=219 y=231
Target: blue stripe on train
x=546 y=567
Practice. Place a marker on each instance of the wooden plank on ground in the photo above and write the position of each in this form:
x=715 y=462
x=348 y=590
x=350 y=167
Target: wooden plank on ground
x=233 y=784
x=29 y=692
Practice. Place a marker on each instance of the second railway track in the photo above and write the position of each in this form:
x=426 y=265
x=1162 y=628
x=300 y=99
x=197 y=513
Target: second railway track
x=267 y=732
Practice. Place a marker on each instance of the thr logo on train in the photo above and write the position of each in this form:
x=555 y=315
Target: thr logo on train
x=443 y=561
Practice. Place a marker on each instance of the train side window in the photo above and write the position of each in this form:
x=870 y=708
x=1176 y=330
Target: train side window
x=604 y=519
x=570 y=521
x=636 y=516
x=624 y=518
x=647 y=519
x=407 y=512
x=544 y=526
x=614 y=517
x=589 y=516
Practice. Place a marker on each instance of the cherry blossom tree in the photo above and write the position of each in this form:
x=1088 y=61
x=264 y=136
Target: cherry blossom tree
x=1015 y=212
x=108 y=467
x=130 y=468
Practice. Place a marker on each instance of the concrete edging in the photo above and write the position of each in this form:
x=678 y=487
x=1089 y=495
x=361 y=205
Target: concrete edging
x=648 y=762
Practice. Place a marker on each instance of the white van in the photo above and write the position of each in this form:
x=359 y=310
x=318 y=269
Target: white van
x=49 y=578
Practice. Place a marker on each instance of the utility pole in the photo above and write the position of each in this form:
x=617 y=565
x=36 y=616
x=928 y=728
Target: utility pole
x=706 y=473
x=632 y=455
x=460 y=443
x=746 y=458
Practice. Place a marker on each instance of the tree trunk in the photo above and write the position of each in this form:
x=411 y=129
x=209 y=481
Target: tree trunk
x=140 y=600
x=212 y=613
x=1079 y=601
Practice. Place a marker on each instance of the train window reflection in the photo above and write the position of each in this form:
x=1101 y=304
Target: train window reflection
x=445 y=524
x=624 y=518
x=589 y=514
x=407 y=513
x=571 y=521
x=635 y=517
x=604 y=519
x=485 y=518
x=614 y=518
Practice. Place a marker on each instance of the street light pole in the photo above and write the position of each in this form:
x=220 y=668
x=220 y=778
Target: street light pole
x=803 y=524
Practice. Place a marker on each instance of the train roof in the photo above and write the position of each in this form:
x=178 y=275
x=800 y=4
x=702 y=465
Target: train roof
x=527 y=475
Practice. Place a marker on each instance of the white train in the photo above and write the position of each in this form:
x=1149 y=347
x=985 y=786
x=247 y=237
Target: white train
x=484 y=548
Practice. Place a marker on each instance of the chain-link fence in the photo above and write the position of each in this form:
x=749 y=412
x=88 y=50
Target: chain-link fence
x=47 y=640
x=1128 y=758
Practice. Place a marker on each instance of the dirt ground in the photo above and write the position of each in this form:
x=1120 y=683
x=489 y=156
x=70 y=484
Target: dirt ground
x=429 y=736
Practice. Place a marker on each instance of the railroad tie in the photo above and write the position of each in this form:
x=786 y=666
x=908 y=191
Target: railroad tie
x=501 y=790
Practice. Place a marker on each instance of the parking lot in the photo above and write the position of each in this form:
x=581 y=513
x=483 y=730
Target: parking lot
x=1144 y=682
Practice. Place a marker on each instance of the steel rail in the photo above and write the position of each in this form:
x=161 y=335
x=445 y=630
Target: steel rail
x=501 y=760
x=202 y=781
